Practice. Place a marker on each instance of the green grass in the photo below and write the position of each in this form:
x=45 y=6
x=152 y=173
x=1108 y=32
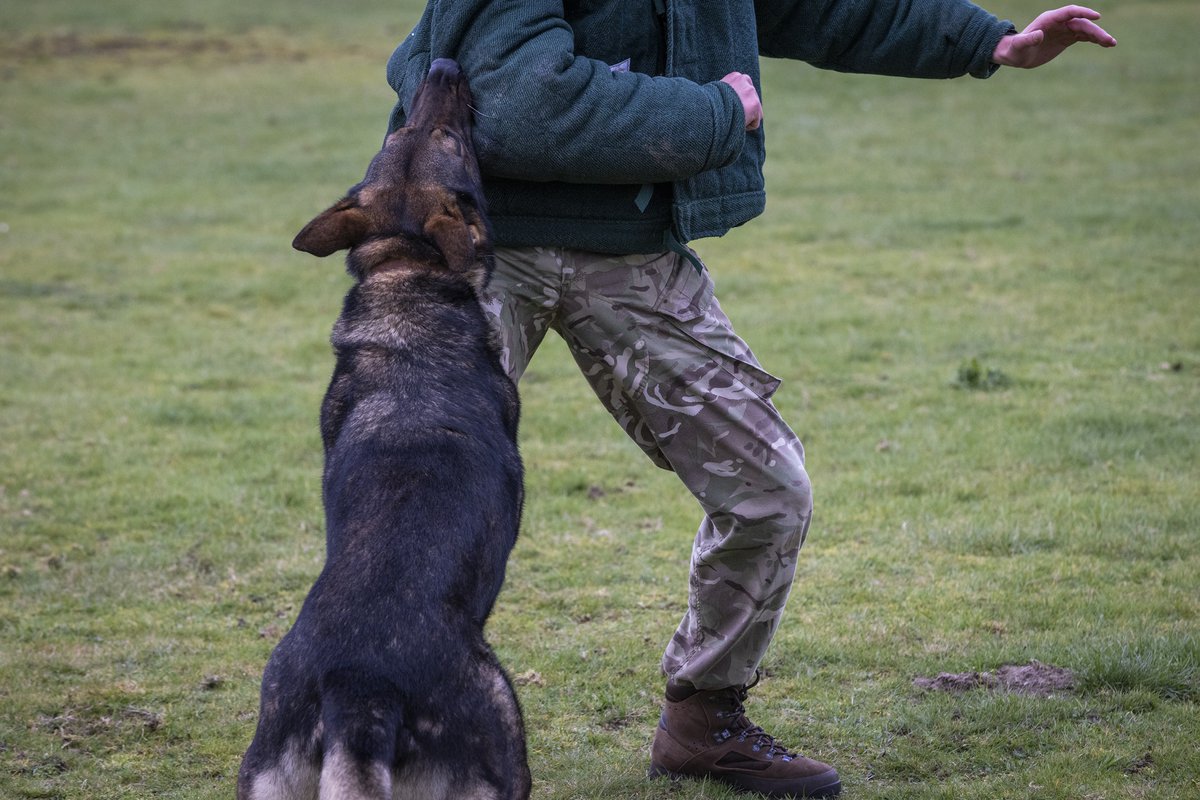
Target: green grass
x=163 y=353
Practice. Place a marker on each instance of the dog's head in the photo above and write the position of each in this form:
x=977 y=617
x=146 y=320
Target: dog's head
x=421 y=202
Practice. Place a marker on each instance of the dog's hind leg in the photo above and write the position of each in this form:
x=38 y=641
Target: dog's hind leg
x=477 y=741
x=283 y=761
x=292 y=776
x=505 y=756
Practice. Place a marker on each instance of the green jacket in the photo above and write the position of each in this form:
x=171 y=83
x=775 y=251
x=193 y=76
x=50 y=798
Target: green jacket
x=603 y=124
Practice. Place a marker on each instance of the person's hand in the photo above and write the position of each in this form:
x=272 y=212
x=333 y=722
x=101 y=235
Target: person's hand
x=1049 y=35
x=751 y=104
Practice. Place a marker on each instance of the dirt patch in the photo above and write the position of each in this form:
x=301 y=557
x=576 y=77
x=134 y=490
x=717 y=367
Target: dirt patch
x=1035 y=678
x=75 y=725
x=616 y=722
x=1140 y=764
x=530 y=678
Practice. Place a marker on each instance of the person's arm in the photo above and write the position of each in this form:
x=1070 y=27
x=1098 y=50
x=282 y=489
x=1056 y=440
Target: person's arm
x=909 y=38
x=1049 y=35
x=545 y=113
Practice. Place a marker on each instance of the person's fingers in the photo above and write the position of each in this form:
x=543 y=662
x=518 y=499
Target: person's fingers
x=1061 y=17
x=1071 y=12
x=1088 y=31
x=751 y=104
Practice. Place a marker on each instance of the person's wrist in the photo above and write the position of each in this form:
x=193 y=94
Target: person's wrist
x=1002 y=51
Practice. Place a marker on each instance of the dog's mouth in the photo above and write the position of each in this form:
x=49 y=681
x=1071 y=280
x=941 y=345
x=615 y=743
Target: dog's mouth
x=443 y=99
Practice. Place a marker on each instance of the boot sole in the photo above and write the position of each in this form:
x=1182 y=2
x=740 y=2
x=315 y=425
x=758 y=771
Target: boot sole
x=827 y=785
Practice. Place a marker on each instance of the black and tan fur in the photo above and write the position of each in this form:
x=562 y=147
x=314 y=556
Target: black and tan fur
x=385 y=686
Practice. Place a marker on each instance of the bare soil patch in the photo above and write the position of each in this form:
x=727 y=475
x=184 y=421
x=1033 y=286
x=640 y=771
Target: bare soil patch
x=74 y=725
x=1035 y=678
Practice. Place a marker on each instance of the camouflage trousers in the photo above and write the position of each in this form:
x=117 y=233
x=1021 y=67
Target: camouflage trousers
x=660 y=354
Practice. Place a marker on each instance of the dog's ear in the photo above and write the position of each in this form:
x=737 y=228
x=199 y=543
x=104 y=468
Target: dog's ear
x=339 y=227
x=461 y=240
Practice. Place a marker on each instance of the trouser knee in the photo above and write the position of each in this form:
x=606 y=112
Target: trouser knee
x=763 y=509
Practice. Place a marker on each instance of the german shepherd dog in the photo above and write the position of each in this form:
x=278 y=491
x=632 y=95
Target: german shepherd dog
x=385 y=686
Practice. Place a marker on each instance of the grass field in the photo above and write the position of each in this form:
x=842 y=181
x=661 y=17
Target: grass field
x=982 y=297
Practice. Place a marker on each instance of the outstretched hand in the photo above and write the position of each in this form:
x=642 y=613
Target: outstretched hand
x=1049 y=35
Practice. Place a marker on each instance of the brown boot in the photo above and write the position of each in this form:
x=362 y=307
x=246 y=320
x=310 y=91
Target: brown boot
x=706 y=734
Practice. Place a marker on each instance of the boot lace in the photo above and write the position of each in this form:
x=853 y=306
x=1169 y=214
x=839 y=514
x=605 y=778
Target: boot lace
x=737 y=724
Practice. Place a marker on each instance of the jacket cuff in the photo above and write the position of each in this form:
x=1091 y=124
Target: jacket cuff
x=729 y=127
x=983 y=66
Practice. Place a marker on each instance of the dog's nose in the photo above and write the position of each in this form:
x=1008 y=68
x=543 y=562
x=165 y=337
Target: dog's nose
x=445 y=69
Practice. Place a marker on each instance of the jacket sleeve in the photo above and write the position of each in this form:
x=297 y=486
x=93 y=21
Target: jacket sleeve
x=910 y=38
x=545 y=113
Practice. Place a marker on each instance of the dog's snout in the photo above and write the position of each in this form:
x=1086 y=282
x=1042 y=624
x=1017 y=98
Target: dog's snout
x=443 y=99
x=445 y=69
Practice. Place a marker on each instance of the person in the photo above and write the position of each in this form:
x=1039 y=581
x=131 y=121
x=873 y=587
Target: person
x=612 y=133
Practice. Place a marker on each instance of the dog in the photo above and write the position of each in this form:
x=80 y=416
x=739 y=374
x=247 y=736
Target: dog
x=385 y=686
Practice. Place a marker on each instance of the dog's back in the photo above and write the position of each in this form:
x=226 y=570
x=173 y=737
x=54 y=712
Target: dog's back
x=385 y=686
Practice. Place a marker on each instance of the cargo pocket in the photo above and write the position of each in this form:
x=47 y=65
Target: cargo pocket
x=688 y=304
